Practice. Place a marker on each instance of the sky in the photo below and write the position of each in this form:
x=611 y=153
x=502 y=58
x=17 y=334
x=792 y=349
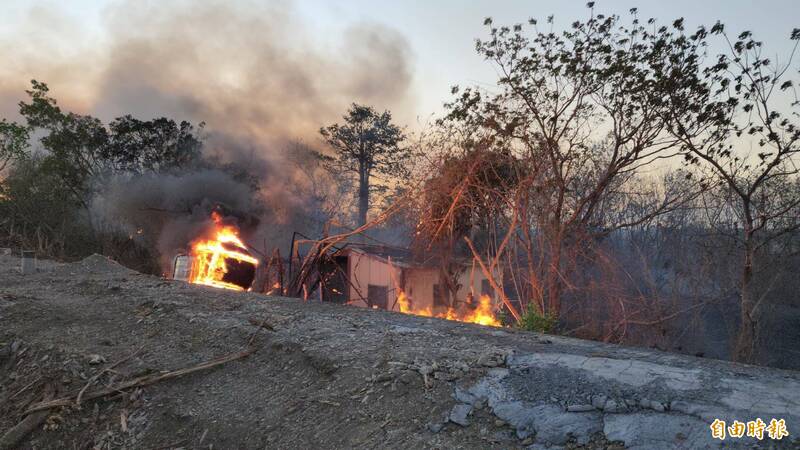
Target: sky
x=442 y=33
x=398 y=55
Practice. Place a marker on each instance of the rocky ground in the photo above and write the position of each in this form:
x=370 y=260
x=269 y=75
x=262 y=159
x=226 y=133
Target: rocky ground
x=328 y=376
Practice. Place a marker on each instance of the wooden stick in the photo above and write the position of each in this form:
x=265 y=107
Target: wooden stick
x=141 y=381
x=25 y=388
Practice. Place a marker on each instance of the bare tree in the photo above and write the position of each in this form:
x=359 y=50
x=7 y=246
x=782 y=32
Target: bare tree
x=742 y=134
x=577 y=112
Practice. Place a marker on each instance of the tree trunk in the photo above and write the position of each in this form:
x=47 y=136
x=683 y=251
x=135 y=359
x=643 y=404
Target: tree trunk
x=744 y=350
x=553 y=279
x=363 y=197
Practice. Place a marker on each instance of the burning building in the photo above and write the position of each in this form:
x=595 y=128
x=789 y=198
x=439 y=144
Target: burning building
x=388 y=278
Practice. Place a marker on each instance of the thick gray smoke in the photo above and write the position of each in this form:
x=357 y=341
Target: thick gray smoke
x=172 y=210
x=256 y=74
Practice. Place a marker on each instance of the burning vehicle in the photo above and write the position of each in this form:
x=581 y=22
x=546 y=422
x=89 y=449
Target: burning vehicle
x=219 y=259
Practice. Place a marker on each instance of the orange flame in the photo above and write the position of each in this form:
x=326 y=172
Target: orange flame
x=482 y=315
x=209 y=256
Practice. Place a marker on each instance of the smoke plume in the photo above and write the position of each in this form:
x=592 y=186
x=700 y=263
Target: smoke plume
x=255 y=73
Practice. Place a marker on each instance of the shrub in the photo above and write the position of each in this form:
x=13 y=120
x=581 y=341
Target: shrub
x=533 y=321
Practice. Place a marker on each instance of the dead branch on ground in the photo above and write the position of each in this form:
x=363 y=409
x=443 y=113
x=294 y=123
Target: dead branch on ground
x=140 y=382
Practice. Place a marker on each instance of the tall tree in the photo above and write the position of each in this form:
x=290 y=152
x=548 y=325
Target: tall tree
x=367 y=145
x=744 y=135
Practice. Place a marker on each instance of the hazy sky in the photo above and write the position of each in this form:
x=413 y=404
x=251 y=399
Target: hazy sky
x=43 y=39
x=442 y=33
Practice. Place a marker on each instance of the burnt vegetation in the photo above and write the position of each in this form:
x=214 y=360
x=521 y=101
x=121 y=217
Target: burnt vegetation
x=626 y=180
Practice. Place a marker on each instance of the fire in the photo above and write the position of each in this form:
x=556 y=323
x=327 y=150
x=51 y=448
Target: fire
x=482 y=314
x=222 y=261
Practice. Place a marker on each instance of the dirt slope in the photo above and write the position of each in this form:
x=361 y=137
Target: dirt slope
x=327 y=376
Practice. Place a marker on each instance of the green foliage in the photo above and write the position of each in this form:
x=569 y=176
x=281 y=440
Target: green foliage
x=367 y=141
x=80 y=148
x=533 y=321
x=154 y=145
x=13 y=140
x=45 y=195
x=37 y=212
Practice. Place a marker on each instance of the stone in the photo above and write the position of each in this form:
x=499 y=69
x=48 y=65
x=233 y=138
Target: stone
x=550 y=423
x=459 y=413
x=464 y=396
x=657 y=406
x=435 y=427
x=491 y=359
x=509 y=360
x=599 y=401
x=95 y=359
x=518 y=415
x=399 y=329
x=542 y=446
x=554 y=426
x=631 y=372
x=612 y=406
x=386 y=376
